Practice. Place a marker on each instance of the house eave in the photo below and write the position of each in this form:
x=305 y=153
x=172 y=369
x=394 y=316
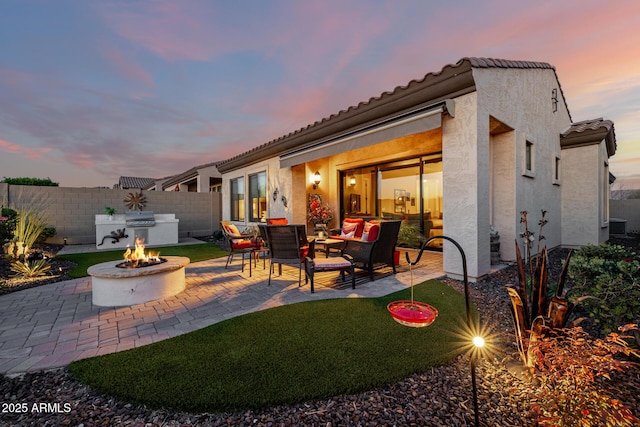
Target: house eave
x=582 y=139
x=451 y=82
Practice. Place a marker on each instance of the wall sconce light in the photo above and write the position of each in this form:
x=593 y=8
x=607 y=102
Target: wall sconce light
x=316 y=180
x=352 y=181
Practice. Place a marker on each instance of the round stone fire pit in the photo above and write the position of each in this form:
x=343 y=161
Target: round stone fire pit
x=113 y=286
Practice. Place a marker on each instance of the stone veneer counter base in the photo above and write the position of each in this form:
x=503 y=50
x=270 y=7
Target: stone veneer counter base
x=115 y=287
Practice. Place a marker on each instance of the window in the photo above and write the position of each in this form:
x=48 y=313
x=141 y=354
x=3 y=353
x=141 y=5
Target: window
x=258 y=196
x=529 y=156
x=605 y=195
x=237 y=199
x=556 y=171
x=529 y=160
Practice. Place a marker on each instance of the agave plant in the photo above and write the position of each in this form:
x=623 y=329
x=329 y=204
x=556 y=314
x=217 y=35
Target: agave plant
x=532 y=311
x=28 y=269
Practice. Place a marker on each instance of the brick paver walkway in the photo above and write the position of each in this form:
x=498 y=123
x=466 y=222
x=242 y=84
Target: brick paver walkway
x=53 y=325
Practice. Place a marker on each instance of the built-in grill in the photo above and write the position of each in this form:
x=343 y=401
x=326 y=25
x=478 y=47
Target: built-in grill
x=140 y=219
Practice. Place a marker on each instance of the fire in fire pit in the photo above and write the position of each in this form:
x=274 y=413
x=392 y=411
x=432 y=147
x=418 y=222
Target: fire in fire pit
x=137 y=258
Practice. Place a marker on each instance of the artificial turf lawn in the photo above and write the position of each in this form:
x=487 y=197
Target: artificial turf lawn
x=283 y=355
x=195 y=253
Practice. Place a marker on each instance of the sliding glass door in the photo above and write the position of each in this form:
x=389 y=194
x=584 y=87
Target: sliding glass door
x=409 y=190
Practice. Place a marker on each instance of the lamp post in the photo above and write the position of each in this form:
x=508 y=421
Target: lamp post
x=477 y=341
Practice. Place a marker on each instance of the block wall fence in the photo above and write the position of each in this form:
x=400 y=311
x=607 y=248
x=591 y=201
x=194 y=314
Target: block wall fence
x=628 y=209
x=72 y=210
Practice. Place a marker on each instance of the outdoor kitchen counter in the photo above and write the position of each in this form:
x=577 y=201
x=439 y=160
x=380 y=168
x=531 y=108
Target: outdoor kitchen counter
x=115 y=233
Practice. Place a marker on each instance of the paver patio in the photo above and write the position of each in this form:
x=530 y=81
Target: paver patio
x=53 y=325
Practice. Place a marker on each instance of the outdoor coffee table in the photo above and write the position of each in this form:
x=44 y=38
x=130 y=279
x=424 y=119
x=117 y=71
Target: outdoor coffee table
x=327 y=244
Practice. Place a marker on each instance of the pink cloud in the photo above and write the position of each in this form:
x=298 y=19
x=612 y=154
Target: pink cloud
x=30 y=153
x=171 y=30
x=128 y=67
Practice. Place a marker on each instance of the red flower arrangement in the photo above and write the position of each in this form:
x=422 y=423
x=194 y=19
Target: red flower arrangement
x=317 y=212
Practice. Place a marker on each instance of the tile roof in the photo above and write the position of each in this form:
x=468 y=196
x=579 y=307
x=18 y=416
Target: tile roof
x=588 y=125
x=189 y=174
x=590 y=132
x=449 y=72
x=134 y=182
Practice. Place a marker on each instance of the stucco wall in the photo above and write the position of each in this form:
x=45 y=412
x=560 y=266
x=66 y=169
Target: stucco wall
x=582 y=184
x=72 y=210
x=521 y=99
x=460 y=186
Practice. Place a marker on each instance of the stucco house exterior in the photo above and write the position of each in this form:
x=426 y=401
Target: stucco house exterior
x=457 y=152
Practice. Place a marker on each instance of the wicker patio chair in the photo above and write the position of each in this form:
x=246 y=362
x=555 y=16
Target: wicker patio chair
x=237 y=242
x=288 y=244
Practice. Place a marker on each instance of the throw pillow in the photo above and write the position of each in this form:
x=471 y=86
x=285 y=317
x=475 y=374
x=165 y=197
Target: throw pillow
x=371 y=231
x=348 y=229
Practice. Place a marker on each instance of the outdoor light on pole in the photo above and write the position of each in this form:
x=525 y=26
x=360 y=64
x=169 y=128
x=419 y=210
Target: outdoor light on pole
x=426 y=312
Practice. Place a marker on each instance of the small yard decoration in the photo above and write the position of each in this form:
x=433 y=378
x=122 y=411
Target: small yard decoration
x=135 y=201
x=414 y=314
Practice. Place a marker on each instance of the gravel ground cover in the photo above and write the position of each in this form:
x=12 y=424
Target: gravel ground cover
x=440 y=397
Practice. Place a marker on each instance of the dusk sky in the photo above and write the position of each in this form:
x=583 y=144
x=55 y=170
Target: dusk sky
x=92 y=90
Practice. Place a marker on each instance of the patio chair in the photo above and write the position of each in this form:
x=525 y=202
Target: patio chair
x=288 y=244
x=372 y=255
x=238 y=243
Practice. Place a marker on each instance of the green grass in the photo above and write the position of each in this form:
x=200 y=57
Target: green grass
x=197 y=252
x=283 y=355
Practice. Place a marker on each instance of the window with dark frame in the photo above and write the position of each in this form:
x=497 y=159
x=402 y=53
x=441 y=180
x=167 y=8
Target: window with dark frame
x=257 y=196
x=237 y=199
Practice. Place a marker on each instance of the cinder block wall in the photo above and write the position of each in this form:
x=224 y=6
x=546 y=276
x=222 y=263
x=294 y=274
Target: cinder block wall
x=72 y=210
x=628 y=209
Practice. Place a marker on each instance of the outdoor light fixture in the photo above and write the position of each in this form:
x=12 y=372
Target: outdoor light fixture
x=420 y=311
x=316 y=180
x=352 y=181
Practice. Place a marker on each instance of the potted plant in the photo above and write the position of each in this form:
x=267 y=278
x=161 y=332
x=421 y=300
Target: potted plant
x=110 y=211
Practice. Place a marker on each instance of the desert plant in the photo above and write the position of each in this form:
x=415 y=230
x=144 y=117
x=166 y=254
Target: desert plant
x=569 y=364
x=29 y=225
x=409 y=235
x=533 y=311
x=8 y=218
x=47 y=233
x=28 y=269
x=611 y=274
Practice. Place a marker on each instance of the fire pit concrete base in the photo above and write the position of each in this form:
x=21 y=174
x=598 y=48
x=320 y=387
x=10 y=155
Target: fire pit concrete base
x=114 y=287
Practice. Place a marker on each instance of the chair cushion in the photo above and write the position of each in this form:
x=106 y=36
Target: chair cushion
x=280 y=221
x=241 y=244
x=331 y=263
x=371 y=231
x=360 y=225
